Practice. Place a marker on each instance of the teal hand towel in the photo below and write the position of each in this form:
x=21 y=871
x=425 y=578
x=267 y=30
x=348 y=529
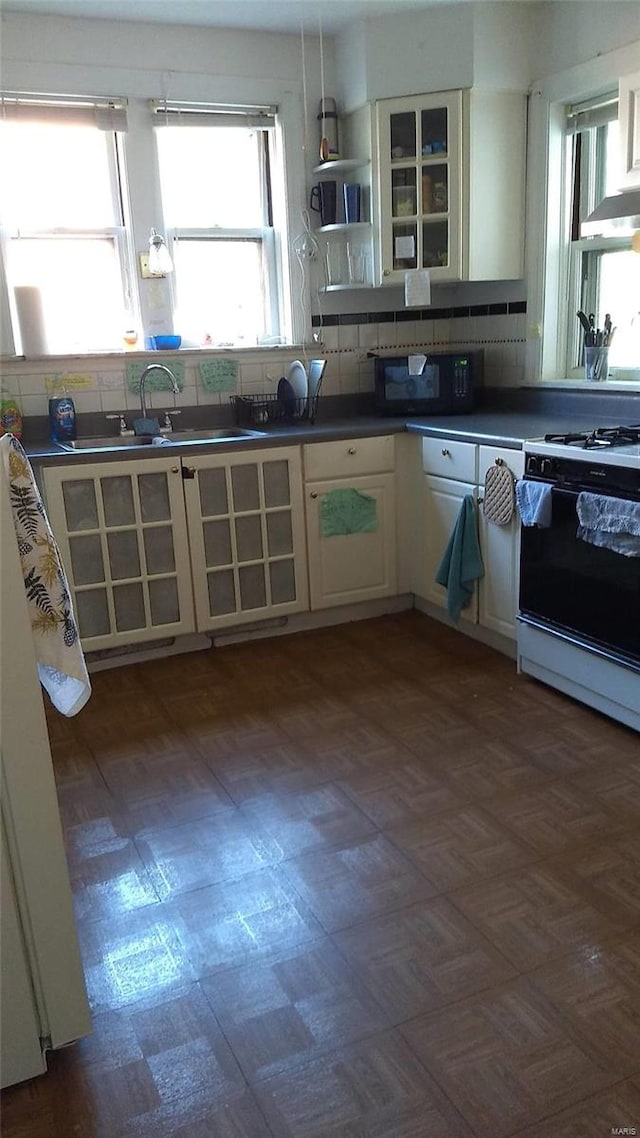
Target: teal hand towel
x=461 y=563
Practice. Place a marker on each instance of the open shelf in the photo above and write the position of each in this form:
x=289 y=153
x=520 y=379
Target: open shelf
x=342 y=226
x=341 y=165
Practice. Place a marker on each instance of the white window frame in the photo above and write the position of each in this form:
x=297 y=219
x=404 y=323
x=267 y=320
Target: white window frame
x=169 y=114
x=59 y=110
x=142 y=208
x=548 y=191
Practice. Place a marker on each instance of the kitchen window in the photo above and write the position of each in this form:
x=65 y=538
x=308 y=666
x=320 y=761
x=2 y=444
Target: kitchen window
x=215 y=177
x=603 y=272
x=63 y=226
x=86 y=179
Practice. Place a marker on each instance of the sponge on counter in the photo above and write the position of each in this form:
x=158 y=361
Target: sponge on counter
x=146 y=427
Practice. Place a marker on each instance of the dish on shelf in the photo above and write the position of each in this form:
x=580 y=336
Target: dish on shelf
x=297 y=376
x=316 y=371
x=286 y=398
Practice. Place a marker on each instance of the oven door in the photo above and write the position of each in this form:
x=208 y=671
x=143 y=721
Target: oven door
x=589 y=592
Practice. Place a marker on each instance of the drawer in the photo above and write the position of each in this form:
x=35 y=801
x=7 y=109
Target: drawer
x=449 y=459
x=349 y=457
x=514 y=459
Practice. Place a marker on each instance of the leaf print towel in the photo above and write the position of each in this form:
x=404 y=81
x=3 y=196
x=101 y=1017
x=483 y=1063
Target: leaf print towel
x=61 y=664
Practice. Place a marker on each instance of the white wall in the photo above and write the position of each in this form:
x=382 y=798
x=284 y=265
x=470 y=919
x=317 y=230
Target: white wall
x=574 y=31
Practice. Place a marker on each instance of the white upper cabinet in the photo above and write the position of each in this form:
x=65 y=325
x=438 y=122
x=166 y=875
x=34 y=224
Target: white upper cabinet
x=450 y=185
x=629 y=116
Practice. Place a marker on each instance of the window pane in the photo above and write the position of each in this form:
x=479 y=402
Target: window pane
x=620 y=295
x=81 y=287
x=210 y=176
x=220 y=291
x=59 y=176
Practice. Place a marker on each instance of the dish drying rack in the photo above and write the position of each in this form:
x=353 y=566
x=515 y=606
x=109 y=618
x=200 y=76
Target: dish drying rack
x=256 y=410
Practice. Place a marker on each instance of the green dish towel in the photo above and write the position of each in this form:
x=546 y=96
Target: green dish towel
x=461 y=565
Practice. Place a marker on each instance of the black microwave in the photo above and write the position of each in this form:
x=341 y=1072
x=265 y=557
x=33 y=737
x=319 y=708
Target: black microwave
x=427 y=383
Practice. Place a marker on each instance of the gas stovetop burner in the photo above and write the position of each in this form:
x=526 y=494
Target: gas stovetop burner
x=600 y=437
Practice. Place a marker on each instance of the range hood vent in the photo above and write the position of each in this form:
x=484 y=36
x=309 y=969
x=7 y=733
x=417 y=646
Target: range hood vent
x=616 y=216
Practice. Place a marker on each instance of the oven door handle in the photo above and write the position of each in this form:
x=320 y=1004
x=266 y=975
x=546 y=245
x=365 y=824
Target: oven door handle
x=566 y=493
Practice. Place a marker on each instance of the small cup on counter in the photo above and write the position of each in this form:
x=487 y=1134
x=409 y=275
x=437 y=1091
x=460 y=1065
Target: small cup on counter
x=596 y=364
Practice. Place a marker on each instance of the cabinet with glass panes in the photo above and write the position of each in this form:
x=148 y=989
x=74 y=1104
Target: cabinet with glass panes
x=450 y=170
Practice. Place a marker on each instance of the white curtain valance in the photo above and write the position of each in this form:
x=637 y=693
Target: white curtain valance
x=104 y=114
x=166 y=113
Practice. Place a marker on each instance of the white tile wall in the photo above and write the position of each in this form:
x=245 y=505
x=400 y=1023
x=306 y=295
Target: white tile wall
x=344 y=347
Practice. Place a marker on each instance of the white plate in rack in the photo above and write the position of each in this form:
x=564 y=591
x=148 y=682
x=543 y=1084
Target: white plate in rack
x=297 y=377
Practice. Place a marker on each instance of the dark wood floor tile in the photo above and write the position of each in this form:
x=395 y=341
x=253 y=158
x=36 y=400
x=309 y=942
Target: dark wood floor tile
x=486 y=769
x=285 y=769
x=617 y=788
x=108 y=876
x=137 y=956
x=281 y=1012
x=349 y=885
x=74 y=765
x=554 y=817
x=248 y=730
x=154 y=742
x=598 y=990
x=459 y=847
x=401 y=793
x=225 y=925
x=505 y=1058
x=373 y=1089
x=536 y=914
x=422 y=958
x=320 y=712
x=165 y=792
x=235 y=1117
x=319 y=817
x=204 y=852
x=81 y=803
x=614 y=1111
x=353 y=750
x=608 y=876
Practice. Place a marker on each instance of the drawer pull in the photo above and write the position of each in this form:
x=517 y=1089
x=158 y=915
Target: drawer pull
x=445 y=452
x=352 y=450
x=313 y=494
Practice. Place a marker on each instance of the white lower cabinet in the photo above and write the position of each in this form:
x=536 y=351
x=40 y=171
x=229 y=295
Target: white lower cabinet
x=442 y=500
x=495 y=601
x=246 y=531
x=148 y=560
x=350 y=503
x=121 y=528
x=346 y=568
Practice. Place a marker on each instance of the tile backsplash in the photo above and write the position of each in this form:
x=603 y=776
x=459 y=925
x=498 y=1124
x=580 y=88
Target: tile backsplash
x=98 y=382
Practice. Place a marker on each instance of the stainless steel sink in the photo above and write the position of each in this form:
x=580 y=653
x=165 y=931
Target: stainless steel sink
x=205 y=434
x=219 y=434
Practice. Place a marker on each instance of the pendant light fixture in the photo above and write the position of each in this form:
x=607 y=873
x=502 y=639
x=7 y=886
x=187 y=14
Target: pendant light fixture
x=160 y=262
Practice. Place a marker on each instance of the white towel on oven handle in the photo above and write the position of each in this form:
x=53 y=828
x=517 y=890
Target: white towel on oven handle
x=613 y=523
x=534 y=503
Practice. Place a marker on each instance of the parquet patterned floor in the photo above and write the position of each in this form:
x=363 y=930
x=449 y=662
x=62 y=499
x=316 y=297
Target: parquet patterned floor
x=358 y=883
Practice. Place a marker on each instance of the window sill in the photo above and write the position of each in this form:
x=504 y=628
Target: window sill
x=629 y=385
x=146 y=354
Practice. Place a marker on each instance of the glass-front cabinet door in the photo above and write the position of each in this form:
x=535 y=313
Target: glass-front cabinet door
x=121 y=528
x=246 y=524
x=419 y=170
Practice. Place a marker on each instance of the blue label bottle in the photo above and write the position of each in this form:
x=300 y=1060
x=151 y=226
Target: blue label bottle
x=62 y=419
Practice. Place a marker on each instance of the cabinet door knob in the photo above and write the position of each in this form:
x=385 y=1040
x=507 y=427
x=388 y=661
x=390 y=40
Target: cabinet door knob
x=445 y=452
x=386 y=272
x=313 y=494
x=352 y=450
x=175 y=469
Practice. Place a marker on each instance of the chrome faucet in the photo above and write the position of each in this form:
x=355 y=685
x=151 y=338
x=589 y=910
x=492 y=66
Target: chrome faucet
x=155 y=367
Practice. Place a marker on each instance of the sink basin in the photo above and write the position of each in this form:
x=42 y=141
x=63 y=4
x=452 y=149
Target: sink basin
x=206 y=434
x=217 y=434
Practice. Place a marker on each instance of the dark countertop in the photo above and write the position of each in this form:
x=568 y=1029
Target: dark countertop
x=491 y=427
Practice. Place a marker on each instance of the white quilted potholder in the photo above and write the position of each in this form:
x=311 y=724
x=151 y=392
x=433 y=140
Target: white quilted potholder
x=499 y=494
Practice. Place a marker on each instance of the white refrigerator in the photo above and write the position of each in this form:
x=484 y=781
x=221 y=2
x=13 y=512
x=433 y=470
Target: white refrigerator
x=43 y=996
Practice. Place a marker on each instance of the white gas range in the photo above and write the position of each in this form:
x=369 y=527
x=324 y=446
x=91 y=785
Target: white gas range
x=579 y=612
x=610 y=446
